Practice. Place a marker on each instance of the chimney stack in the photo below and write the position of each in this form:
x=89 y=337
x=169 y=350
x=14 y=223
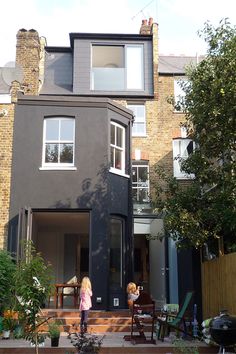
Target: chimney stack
x=28 y=57
x=146 y=27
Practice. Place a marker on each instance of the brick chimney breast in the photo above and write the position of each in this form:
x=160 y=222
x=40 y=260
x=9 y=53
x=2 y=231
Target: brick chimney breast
x=145 y=28
x=28 y=57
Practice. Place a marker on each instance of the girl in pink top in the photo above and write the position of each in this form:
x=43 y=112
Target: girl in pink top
x=85 y=302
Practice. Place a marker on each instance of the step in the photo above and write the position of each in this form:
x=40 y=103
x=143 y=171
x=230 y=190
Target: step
x=99 y=321
x=92 y=313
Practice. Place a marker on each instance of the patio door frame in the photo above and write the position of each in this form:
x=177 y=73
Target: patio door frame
x=24 y=233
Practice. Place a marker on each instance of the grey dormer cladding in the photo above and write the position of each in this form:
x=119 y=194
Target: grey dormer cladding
x=68 y=69
x=58 y=71
x=82 y=45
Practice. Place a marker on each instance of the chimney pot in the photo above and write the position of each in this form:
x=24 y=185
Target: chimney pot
x=150 y=22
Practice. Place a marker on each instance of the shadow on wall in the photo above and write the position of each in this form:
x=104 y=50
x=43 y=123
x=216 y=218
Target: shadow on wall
x=94 y=193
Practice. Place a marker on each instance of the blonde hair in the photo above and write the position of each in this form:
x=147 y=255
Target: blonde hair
x=131 y=288
x=86 y=284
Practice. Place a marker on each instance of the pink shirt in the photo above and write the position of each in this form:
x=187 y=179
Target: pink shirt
x=85 y=299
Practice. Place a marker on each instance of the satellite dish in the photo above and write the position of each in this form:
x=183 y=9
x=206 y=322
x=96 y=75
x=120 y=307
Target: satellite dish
x=12 y=72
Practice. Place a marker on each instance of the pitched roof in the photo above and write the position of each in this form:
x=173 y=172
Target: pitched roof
x=172 y=64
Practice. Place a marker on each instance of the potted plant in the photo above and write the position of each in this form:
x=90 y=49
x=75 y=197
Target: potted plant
x=54 y=333
x=86 y=343
x=7 y=326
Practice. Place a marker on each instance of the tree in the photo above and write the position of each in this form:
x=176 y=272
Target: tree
x=205 y=209
x=33 y=280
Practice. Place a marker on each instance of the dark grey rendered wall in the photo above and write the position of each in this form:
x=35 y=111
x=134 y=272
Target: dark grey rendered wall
x=87 y=188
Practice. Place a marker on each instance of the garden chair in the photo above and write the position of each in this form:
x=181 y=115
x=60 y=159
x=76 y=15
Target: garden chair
x=143 y=319
x=177 y=322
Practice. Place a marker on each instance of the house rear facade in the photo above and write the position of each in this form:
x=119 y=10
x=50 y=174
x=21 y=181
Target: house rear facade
x=91 y=123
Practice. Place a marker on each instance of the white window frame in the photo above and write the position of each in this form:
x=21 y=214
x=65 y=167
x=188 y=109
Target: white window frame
x=116 y=147
x=147 y=187
x=138 y=120
x=57 y=165
x=127 y=82
x=178 y=91
x=180 y=152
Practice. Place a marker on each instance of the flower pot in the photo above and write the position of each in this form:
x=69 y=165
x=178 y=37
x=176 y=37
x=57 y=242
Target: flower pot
x=6 y=334
x=55 y=342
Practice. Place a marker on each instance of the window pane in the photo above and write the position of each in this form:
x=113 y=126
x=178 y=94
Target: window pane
x=143 y=176
x=138 y=128
x=115 y=253
x=143 y=195
x=108 y=68
x=117 y=147
x=112 y=157
x=139 y=125
x=118 y=159
x=181 y=150
x=107 y=56
x=140 y=112
x=52 y=129
x=134 y=173
x=140 y=184
x=66 y=153
x=112 y=134
x=108 y=79
x=51 y=153
x=67 y=129
x=134 y=68
x=119 y=137
x=135 y=196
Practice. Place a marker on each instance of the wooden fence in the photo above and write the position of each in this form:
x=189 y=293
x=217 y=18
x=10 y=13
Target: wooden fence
x=219 y=285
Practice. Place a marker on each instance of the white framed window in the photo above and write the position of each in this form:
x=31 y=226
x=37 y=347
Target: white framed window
x=182 y=148
x=58 y=142
x=140 y=182
x=139 y=125
x=117 y=67
x=117 y=148
x=178 y=90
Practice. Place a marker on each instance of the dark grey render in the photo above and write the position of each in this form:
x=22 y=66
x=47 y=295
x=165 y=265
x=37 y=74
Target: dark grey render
x=89 y=188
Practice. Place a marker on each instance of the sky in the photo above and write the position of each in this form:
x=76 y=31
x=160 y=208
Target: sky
x=179 y=21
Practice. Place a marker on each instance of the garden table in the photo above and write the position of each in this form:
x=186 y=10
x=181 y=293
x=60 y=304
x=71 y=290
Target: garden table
x=60 y=293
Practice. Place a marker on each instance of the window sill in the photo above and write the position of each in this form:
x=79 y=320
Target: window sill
x=139 y=136
x=178 y=112
x=120 y=173
x=58 y=168
x=185 y=178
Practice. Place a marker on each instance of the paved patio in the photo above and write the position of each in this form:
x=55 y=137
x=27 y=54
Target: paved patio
x=112 y=343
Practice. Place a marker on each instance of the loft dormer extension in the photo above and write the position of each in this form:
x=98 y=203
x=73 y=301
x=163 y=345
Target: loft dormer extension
x=112 y=64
